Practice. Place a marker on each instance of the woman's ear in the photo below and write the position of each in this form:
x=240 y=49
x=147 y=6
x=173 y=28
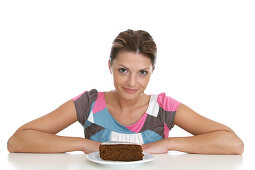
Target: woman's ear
x=109 y=65
x=153 y=68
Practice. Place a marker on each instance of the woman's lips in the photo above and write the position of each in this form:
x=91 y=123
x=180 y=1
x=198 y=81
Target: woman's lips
x=130 y=90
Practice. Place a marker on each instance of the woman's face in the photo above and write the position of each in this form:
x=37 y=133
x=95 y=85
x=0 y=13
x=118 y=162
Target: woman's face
x=131 y=74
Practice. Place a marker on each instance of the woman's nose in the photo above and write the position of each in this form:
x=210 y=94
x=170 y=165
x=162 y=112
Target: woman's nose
x=131 y=80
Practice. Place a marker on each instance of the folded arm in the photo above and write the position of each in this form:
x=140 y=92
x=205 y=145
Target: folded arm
x=210 y=137
x=39 y=136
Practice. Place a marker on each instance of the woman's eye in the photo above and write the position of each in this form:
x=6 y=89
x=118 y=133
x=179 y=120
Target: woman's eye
x=143 y=72
x=122 y=70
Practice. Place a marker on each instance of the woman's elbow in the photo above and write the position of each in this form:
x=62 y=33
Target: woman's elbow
x=237 y=145
x=11 y=145
x=14 y=143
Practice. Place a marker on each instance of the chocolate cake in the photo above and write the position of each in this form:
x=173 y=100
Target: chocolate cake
x=120 y=151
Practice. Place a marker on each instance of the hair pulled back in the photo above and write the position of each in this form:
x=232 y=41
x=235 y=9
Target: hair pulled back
x=134 y=41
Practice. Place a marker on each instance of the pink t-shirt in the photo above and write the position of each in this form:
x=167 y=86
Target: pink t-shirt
x=99 y=124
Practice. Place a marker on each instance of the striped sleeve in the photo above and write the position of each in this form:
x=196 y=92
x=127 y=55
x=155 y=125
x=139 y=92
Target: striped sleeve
x=168 y=106
x=83 y=103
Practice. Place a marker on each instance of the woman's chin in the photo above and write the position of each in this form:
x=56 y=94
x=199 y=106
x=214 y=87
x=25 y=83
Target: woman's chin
x=127 y=95
x=130 y=96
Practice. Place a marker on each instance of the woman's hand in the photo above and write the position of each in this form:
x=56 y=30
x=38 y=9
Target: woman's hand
x=160 y=146
x=90 y=146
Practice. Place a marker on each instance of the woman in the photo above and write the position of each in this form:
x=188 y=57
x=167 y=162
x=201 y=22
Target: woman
x=126 y=113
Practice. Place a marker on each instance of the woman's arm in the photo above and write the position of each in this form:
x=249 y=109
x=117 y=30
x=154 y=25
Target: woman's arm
x=210 y=137
x=38 y=136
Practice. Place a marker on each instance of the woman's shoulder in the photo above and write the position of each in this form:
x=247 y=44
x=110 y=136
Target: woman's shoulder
x=167 y=102
x=92 y=93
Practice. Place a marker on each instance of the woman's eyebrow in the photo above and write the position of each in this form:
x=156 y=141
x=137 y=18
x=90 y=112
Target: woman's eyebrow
x=123 y=66
x=145 y=68
x=139 y=69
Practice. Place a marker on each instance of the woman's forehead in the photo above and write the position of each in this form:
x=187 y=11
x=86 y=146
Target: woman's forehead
x=133 y=60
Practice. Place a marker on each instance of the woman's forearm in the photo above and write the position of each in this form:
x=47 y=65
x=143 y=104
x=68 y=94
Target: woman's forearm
x=219 y=142
x=40 y=142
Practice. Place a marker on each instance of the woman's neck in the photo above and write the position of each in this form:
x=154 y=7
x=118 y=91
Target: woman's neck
x=127 y=104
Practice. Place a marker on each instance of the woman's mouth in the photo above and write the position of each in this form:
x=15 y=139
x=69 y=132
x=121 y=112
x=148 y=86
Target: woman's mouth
x=130 y=90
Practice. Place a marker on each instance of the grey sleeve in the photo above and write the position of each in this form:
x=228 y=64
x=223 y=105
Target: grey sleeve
x=83 y=104
x=169 y=118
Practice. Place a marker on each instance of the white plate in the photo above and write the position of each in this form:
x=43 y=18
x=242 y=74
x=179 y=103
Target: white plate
x=94 y=157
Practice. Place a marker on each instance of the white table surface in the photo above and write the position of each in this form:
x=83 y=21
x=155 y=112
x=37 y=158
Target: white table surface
x=78 y=160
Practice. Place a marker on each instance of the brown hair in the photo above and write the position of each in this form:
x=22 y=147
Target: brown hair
x=134 y=41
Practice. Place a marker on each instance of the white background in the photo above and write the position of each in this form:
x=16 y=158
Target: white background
x=51 y=51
